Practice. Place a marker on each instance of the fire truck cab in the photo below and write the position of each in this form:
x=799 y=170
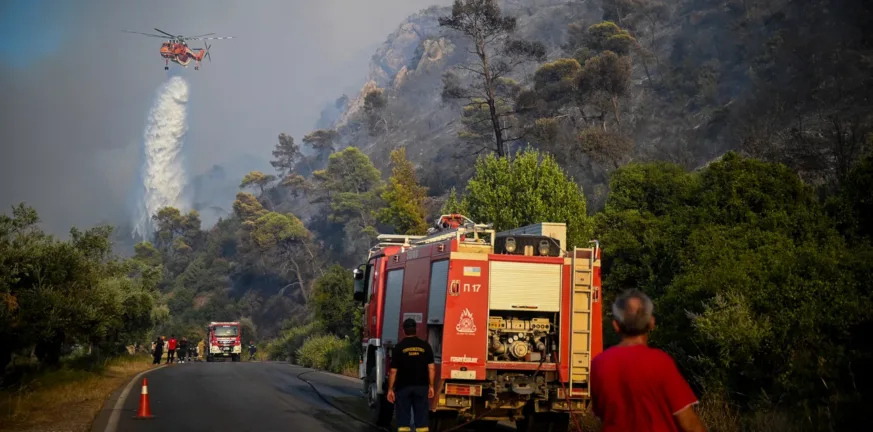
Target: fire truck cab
x=514 y=319
x=223 y=341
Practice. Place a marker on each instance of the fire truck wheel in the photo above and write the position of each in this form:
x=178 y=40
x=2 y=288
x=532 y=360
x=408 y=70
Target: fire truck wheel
x=443 y=421
x=381 y=411
x=209 y=358
x=484 y=425
x=234 y=357
x=544 y=422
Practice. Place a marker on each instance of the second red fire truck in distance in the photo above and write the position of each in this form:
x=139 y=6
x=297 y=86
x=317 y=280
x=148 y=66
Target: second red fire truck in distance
x=514 y=319
x=223 y=340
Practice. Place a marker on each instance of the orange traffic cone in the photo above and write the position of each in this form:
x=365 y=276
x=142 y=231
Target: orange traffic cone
x=145 y=411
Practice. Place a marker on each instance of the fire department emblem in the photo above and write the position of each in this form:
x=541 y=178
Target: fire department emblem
x=466 y=325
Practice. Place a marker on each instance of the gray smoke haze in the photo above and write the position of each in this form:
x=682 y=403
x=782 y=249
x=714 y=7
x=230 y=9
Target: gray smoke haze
x=71 y=125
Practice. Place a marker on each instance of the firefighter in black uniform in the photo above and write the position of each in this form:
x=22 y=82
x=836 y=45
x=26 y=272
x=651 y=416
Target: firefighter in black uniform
x=410 y=382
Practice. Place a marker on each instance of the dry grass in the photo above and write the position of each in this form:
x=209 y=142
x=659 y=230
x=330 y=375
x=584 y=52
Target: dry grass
x=66 y=399
x=719 y=416
x=351 y=372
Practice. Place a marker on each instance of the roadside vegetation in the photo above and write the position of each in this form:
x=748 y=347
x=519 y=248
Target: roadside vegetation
x=67 y=397
x=72 y=318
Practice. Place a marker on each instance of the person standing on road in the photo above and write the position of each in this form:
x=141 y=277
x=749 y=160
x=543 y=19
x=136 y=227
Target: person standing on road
x=171 y=349
x=412 y=374
x=252 y=350
x=183 y=349
x=635 y=387
x=201 y=346
x=158 y=350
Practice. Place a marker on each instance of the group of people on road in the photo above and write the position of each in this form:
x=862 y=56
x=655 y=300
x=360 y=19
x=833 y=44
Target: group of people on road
x=633 y=387
x=185 y=351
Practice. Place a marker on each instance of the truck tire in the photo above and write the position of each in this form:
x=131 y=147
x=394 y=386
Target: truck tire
x=209 y=358
x=381 y=411
x=441 y=421
x=484 y=425
x=543 y=422
x=234 y=358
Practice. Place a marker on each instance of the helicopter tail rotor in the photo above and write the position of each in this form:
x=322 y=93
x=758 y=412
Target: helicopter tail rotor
x=209 y=56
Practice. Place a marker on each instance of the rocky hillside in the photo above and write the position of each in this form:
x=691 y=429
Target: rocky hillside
x=707 y=77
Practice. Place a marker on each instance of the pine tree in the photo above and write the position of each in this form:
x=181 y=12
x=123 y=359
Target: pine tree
x=286 y=155
x=452 y=204
x=404 y=197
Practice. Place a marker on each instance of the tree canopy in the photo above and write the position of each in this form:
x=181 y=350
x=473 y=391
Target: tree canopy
x=56 y=294
x=528 y=189
x=488 y=88
x=737 y=257
x=405 y=207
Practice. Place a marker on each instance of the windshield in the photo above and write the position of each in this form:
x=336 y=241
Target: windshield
x=226 y=331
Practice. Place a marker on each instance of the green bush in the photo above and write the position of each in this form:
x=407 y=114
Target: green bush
x=345 y=361
x=327 y=352
x=285 y=347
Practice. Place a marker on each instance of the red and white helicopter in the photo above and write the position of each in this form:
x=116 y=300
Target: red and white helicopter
x=176 y=49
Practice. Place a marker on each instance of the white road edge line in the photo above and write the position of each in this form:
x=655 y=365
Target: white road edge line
x=112 y=424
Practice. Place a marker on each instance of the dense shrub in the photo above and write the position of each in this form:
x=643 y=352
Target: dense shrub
x=328 y=352
x=756 y=292
x=285 y=347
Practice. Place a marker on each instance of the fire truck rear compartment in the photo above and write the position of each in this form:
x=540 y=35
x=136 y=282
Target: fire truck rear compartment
x=520 y=337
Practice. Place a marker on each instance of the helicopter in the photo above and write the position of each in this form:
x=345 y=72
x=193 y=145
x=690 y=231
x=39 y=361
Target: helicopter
x=176 y=49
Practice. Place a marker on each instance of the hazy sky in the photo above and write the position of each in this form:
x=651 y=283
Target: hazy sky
x=76 y=90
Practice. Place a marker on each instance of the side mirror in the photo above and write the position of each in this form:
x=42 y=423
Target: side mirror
x=360 y=285
x=360 y=295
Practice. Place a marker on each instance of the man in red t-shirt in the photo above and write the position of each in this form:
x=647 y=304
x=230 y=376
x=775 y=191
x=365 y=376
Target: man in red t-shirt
x=171 y=349
x=637 y=388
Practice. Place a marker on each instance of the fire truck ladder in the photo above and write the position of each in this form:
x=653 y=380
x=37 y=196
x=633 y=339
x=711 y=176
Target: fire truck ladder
x=396 y=239
x=580 y=321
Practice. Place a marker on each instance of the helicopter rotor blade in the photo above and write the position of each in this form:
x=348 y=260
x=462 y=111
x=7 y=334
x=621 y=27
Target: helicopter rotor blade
x=210 y=38
x=199 y=36
x=145 y=34
x=161 y=31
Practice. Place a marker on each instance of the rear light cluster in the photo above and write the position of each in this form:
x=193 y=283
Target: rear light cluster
x=463 y=390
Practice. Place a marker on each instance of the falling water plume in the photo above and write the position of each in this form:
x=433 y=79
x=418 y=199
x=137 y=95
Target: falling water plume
x=163 y=172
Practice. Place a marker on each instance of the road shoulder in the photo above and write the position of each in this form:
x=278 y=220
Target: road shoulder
x=107 y=418
x=345 y=377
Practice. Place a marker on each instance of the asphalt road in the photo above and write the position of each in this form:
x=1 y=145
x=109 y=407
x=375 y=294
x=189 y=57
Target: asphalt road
x=242 y=397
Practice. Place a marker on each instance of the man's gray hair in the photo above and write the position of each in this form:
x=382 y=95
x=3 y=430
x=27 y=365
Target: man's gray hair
x=633 y=321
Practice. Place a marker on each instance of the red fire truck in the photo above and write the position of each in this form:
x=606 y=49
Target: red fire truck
x=514 y=319
x=223 y=340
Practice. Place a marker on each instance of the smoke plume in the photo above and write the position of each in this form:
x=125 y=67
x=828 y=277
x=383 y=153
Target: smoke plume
x=163 y=172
